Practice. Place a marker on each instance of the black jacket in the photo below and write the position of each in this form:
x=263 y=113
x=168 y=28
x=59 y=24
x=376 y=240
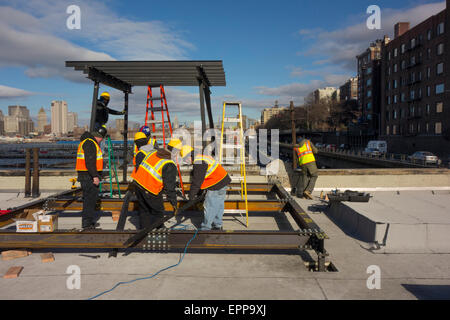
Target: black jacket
x=198 y=176
x=90 y=156
x=103 y=112
x=169 y=175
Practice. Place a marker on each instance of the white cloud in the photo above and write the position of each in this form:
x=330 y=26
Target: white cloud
x=33 y=34
x=340 y=47
x=10 y=92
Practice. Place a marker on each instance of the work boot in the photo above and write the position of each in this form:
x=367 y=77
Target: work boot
x=308 y=195
x=217 y=228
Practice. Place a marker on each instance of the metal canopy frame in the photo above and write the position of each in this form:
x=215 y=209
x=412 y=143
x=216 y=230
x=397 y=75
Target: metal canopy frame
x=123 y=75
x=308 y=236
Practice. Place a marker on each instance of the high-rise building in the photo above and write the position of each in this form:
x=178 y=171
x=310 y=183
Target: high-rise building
x=42 y=120
x=268 y=113
x=369 y=86
x=327 y=93
x=18 y=121
x=349 y=90
x=2 y=123
x=175 y=123
x=415 y=104
x=59 y=117
x=72 y=121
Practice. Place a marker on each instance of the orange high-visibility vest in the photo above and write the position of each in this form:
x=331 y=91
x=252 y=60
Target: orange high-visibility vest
x=215 y=172
x=305 y=154
x=149 y=173
x=134 y=159
x=152 y=142
x=81 y=163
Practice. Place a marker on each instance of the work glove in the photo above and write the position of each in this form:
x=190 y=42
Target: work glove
x=123 y=112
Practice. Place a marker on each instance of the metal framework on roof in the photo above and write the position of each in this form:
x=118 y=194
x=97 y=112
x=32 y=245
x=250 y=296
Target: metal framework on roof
x=155 y=73
x=123 y=75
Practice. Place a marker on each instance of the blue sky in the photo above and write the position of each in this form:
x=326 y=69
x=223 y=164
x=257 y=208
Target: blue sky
x=270 y=50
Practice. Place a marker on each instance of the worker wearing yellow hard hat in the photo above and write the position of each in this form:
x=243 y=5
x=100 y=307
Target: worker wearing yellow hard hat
x=209 y=175
x=143 y=143
x=155 y=173
x=103 y=112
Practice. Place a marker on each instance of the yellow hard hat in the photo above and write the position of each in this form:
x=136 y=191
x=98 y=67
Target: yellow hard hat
x=105 y=95
x=175 y=143
x=185 y=150
x=139 y=135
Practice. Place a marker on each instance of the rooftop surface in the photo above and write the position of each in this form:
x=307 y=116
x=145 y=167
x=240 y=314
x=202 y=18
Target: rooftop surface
x=238 y=275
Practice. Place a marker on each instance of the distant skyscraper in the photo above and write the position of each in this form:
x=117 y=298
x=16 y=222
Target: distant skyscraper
x=120 y=124
x=59 y=117
x=18 y=121
x=175 y=122
x=2 y=123
x=42 y=120
x=72 y=121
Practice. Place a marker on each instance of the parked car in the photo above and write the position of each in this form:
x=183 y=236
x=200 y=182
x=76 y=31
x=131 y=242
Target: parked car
x=345 y=146
x=380 y=145
x=330 y=147
x=318 y=145
x=372 y=152
x=425 y=157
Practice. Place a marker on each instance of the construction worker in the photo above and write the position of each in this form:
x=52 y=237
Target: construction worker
x=89 y=167
x=309 y=172
x=155 y=173
x=102 y=112
x=208 y=175
x=141 y=140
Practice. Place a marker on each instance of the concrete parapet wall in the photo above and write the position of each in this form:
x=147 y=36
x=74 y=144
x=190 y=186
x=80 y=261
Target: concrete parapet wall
x=328 y=178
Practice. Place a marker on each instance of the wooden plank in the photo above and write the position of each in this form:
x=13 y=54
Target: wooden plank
x=13 y=272
x=47 y=257
x=15 y=254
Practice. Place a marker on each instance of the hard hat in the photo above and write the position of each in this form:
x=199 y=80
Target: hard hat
x=185 y=150
x=105 y=95
x=100 y=132
x=145 y=130
x=139 y=135
x=175 y=143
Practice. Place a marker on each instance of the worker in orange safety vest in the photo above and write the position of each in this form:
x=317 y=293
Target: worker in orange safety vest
x=208 y=174
x=89 y=166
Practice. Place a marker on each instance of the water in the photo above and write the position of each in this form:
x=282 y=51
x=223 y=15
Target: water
x=52 y=155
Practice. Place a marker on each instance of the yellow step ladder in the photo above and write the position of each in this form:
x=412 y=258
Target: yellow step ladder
x=236 y=146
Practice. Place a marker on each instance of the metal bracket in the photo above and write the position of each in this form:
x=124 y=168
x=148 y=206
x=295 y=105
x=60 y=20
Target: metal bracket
x=157 y=241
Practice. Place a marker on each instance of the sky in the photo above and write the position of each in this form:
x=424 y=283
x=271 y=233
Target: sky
x=271 y=51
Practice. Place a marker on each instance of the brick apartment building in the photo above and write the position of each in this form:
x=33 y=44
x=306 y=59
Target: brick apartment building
x=415 y=105
x=369 y=89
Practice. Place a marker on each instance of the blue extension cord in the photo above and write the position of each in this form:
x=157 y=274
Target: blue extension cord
x=153 y=275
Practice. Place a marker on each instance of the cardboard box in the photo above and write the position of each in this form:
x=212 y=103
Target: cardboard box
x=47 y=222
x=29 y=223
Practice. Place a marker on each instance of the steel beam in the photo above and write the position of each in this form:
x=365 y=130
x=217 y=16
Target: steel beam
x=71 y=204
x=164 y=239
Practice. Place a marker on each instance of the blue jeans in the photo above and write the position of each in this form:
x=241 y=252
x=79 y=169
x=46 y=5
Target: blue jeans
x=214 y=206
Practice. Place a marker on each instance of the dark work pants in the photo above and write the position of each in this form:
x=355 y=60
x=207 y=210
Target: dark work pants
x=307 y=178
x=151 y=207
x=90 y=196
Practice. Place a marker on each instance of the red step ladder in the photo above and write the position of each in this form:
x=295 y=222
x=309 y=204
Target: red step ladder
x=152 y=121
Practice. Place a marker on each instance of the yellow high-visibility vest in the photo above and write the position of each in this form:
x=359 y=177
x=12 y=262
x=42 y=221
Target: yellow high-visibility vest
x=305 y=154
